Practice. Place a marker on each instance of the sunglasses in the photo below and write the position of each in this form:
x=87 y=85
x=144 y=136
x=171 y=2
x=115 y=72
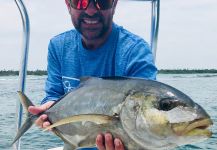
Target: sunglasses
x=99 y=4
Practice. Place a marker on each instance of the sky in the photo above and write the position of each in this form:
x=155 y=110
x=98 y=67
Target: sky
x=187 y=33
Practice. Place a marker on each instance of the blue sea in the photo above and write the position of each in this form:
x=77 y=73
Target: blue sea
x=200 y=87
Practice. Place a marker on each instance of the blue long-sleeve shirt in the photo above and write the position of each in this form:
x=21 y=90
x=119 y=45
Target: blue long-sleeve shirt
x=123 y=54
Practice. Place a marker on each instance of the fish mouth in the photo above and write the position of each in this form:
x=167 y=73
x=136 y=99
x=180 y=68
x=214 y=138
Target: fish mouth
x=197 y=127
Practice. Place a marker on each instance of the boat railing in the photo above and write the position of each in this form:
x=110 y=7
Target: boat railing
x=23 y=66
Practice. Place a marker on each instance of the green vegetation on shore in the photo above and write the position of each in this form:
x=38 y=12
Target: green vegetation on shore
x=161 y=71
x=16 y=73
x=186 y=71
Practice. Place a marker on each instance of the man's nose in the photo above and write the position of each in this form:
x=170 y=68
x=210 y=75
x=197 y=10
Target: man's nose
x=91 y=9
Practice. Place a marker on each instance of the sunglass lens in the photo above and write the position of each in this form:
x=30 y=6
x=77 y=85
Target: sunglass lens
x=79 y=4
x=104 y=4
x=100 y=4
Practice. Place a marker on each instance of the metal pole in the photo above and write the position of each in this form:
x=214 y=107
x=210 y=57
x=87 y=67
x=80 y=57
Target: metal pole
x=155 y=16
x=23 y=66
x=155 y=26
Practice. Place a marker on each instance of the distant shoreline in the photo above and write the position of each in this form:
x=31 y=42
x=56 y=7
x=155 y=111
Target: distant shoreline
x=161 y=71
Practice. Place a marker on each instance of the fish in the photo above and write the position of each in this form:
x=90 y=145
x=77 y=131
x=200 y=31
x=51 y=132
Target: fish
x=144 y=114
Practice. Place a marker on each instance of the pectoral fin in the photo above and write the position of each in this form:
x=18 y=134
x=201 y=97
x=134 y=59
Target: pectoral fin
x=96 y=118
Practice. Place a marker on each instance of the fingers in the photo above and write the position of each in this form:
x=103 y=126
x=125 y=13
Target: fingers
x=38 y=109
x=118 y=144
x=106 y=142
x=42 y=120
x=109 y=143
x=35 y=109
x=100 y=142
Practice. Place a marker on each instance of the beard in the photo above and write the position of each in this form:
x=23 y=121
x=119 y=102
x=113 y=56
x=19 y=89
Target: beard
x=92 y=33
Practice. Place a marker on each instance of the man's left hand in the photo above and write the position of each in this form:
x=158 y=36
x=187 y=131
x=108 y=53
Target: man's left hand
x=106 y=142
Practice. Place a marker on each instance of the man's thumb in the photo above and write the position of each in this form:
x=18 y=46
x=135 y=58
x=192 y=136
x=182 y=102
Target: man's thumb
x=39 y=109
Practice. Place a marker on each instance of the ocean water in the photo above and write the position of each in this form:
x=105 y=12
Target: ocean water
x=202 y=88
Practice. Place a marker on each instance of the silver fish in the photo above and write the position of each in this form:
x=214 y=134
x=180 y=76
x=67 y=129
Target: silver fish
x=144 y=114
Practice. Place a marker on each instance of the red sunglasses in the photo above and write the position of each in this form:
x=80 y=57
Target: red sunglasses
x=99 y=4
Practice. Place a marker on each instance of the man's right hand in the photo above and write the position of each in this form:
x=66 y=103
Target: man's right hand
x=42 y=121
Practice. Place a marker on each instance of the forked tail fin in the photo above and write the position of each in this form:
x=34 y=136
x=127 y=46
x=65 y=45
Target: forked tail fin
x=29 y=118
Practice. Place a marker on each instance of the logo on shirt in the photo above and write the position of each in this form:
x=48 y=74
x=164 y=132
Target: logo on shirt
x=69 y=83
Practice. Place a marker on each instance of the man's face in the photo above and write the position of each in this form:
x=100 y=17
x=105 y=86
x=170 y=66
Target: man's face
x=92 y=23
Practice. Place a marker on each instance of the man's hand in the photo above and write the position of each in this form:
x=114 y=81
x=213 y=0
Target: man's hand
x=42 y=120
x=106 y=142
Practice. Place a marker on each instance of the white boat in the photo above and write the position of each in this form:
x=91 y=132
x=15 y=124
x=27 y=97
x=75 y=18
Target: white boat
x=57 y=148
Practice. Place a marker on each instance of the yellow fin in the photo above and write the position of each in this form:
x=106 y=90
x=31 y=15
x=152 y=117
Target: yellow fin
x=96 y=118
x=24 y=100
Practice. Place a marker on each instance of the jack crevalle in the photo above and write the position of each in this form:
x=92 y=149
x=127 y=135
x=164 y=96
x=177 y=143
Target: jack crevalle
x=144 y=114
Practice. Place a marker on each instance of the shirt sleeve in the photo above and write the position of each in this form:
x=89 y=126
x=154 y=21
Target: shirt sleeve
x=53 y=86
x=140 y=62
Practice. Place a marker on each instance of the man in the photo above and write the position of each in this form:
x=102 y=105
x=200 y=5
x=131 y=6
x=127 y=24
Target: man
x=98 y=47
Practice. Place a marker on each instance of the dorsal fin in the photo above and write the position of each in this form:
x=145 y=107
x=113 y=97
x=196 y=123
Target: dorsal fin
x=85 y=78
x=115 y=77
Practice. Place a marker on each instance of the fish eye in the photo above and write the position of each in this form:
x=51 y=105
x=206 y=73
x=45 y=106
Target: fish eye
x=167 y=104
